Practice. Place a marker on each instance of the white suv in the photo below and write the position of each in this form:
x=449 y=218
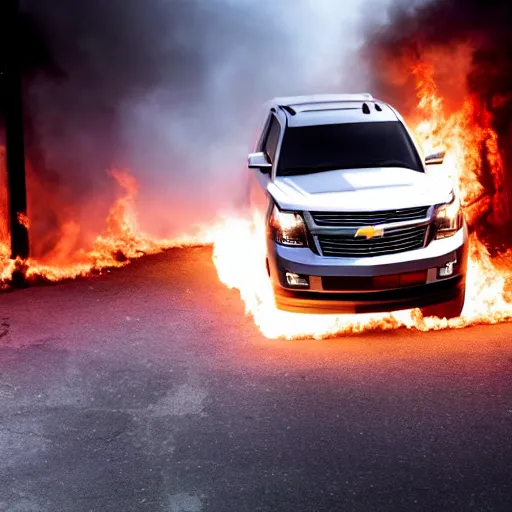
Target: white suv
x=356 y=223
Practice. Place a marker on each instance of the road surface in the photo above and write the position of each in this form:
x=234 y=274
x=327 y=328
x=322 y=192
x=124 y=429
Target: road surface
x=147 y=389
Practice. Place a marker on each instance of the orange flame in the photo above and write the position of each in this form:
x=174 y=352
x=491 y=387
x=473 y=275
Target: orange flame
x=239 y=248
x=121 y=242
x=23 y=220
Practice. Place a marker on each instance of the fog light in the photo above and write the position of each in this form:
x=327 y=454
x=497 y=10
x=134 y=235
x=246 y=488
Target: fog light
x=297 y=280
x=448 y=270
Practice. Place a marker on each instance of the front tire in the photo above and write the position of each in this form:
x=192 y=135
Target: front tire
x=448 y=310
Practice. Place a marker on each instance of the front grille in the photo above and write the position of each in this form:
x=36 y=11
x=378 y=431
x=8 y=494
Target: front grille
x=358 y=219
x=393 y=241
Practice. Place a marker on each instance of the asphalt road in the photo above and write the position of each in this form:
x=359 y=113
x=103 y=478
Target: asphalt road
x=147 y=389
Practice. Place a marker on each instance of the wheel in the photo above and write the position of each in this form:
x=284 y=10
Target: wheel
x=448 y=310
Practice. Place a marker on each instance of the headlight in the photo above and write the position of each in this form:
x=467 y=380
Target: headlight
x=287 y=228
x=448 y=218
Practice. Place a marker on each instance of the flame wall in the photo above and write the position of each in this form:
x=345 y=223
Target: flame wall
x=467 y=45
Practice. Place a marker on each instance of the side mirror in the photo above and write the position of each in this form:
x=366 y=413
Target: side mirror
x=435 y=158
x=259 y=161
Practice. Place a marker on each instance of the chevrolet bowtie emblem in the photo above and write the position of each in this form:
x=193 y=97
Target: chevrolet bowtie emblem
x=369 y=232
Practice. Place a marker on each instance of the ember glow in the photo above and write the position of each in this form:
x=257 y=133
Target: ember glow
x=239 y=251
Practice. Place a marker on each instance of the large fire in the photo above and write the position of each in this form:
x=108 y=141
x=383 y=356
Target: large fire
x=121 y=242
x=239 y=241
x=240 y=245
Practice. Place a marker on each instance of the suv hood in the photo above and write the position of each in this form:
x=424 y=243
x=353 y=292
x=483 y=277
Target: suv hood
x=376 y=189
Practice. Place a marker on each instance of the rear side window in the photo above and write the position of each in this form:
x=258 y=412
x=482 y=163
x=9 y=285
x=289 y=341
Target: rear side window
x=272 y=138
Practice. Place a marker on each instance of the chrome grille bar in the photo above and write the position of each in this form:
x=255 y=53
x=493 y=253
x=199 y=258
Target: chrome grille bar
x=358 y=219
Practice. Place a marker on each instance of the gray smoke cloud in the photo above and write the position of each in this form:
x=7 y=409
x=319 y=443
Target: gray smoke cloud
x=169 y=89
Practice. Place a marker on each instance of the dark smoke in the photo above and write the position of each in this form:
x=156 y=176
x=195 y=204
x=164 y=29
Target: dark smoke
x=166 y=89
x=437 y=28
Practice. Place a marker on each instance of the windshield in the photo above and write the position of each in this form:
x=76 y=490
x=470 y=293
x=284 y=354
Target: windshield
x=307 y=149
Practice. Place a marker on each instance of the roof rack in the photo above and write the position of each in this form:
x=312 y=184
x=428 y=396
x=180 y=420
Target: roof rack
x=328 y=109
x=366 y=108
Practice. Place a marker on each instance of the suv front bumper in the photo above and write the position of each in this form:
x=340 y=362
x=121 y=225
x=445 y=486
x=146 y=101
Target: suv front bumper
x=348 y=285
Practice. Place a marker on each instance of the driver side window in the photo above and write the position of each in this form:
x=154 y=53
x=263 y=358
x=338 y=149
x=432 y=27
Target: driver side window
x=272 y=138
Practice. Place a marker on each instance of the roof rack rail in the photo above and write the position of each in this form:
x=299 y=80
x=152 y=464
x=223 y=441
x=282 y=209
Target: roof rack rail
x=328 y=109
x=378 y=108
x=366 y=108
x=288 y=109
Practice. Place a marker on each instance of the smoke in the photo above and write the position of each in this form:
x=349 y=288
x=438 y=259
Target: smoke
x=167 y=89
x=468 y=44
